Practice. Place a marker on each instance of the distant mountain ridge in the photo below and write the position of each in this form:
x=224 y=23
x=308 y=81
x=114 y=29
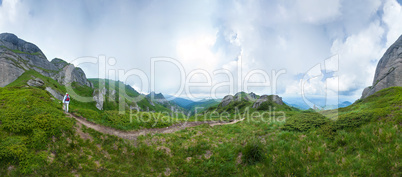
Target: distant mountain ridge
x=193 y=106
x=300 y=104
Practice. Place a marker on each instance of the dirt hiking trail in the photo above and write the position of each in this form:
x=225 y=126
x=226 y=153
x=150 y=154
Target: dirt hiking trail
x=132 y=135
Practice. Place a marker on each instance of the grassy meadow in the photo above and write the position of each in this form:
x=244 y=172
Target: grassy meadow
x=38 y=139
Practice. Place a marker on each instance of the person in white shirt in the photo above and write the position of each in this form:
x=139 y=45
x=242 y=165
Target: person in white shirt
x=66 y=101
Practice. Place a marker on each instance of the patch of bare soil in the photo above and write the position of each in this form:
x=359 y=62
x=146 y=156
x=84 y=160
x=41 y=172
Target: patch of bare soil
x=132 y=135
x=84 y=136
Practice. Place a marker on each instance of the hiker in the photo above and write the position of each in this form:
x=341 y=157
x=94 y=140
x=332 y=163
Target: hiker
x=66 y=101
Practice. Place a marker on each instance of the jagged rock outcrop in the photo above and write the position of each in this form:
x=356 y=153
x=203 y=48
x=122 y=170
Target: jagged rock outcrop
x=238 y=97
x=59 y=63
x=55 y=93
x=12 y=42
x=389 y=70
x=99 y=97
x=27 y=52
x=18 y=56
x=35 y=82
x=252 y=95
x=244 y=96
x=226 y=100
x=9 y=70
x=264 y=98
x=70 y=74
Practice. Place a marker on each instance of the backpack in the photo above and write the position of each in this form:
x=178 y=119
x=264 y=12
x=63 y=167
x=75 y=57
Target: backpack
x=67 y=98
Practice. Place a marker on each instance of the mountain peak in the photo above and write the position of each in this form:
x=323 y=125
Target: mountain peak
x=389 y=70
x=11 y=41
x=18 y=56
x=156 y=96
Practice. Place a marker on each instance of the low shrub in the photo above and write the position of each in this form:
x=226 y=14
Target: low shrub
x=305 y=121
x=253 y=152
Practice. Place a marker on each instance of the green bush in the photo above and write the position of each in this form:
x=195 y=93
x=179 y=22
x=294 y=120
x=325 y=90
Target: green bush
x=305 y=121
x=253 y=152
x=28 y=120
x=266 y=105
x=352 y=120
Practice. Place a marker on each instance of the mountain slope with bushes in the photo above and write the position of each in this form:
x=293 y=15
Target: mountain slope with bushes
x=38 y=139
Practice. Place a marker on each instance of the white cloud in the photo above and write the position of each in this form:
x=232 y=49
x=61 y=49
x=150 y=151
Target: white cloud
x=317 y=11
x=358 y=54
x=267 y=35
x=392 y=18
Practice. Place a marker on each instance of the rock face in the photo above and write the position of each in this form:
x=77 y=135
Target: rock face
x=12 y=42
x=264 y=98
x=27 y=53
x=36 y=82
x=59 y=63
x=18 y=56
x=99 y=97
x=9 y=70
x=70 y=74
x=244 y=96
x=238 y=97
x=56 y=94
x=389 y=70
x=226 y=100
x=252 y=95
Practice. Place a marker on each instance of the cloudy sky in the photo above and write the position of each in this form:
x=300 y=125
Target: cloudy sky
x=314 y=47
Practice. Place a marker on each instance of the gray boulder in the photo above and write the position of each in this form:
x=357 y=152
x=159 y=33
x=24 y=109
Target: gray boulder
x=226 y=100
x=35 y=82
x=55 y=93
x=389 y=70
x=99 y=97
x=264 y=98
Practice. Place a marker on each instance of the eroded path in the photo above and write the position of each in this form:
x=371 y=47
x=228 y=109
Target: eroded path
x=132 y=135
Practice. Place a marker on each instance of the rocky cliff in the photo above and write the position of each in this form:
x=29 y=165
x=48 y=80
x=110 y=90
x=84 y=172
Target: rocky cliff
x=254 y=99
x=238 y=97
x=389 y=70
x=268 y=98
x=18 y=56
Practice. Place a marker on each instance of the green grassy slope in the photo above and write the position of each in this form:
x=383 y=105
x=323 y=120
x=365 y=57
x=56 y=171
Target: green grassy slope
x=203 y=105
x=110 y=116
x=37 y=139
x=129 y=96
x=29 y=119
